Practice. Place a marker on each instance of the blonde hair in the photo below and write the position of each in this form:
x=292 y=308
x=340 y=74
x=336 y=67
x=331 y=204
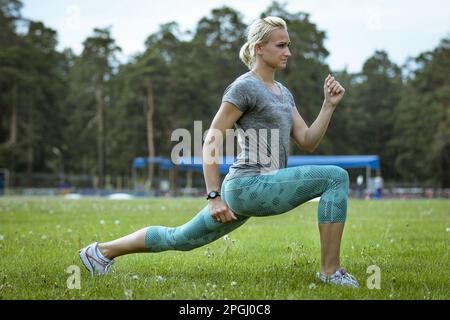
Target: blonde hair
x=259 y=32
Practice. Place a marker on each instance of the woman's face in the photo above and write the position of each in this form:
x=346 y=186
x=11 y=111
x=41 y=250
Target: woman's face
x=275 y=53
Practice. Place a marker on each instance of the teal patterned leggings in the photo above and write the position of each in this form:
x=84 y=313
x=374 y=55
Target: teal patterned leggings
x=258 y=196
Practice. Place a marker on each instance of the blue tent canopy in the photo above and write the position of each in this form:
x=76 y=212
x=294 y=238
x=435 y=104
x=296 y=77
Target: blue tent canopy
x=195 y=163
x=141 y=162
x=372 y=162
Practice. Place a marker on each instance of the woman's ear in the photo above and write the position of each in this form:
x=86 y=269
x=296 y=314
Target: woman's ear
x=258 y=48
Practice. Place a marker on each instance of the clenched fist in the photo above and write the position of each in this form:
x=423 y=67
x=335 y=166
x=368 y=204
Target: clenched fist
x=220 y=211
x=333 y=90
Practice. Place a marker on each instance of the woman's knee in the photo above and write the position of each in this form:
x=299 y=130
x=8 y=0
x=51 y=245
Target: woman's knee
x=340 y=176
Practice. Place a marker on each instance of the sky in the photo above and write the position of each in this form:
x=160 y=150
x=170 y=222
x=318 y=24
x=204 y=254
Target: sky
x=354 y=29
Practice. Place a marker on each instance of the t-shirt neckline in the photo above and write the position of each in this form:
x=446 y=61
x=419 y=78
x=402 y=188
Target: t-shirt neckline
x=276 y=82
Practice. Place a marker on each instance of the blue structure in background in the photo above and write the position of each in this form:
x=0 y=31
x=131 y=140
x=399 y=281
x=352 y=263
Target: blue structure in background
x=194 y=164
x=346 y=162
x=4 y=180
x=2 y=185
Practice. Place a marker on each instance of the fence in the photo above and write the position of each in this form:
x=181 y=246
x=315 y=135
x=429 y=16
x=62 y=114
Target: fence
x=193 y=184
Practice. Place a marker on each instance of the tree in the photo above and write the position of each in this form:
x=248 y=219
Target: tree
x=143 y=76
x=11 y=74
x=97 y=64
x=376 y=96
x=422 y=120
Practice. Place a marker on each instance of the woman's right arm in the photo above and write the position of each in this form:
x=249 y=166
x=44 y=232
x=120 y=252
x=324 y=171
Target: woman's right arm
x=225 y=119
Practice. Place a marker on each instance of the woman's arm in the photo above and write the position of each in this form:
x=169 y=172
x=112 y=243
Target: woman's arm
x=224 y=119
x=308 y=138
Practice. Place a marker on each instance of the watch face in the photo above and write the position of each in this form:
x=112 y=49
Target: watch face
x=213 y=195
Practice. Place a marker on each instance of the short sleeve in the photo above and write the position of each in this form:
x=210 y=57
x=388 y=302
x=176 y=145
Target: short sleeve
x=239 y=94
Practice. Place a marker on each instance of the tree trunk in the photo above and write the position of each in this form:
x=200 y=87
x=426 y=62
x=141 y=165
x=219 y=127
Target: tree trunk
x=30 y=156
x=100 y=138
x=11 y=144
x=150 y=110
x=13 y=127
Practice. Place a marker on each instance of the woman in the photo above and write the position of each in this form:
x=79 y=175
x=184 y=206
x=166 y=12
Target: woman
x=255 y=102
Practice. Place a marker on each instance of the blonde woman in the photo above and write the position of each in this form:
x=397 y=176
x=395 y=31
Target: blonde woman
x=256 y=104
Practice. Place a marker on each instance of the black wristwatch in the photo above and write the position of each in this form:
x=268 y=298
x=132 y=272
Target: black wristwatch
x=213 y=195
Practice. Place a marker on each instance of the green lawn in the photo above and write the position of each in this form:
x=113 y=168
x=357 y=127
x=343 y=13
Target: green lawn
x=267 y=258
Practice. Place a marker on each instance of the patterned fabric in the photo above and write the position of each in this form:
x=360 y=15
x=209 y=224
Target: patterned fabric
x=258 y=196
x=273 y=194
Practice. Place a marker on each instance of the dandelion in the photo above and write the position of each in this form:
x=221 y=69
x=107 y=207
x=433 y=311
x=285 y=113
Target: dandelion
x=226 y=238
x=117 y=221
x=160 y=279
x=233 y=283
x=69 y=230
x=128 y=293
x=102 y=221
x=208 y=253
x=44 y=237
x=312 y=286
x=2 y=237
x=135 y=277
x=448 y=229
x=58 y=226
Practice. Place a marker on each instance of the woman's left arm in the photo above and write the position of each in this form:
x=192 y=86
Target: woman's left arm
x=309 y=138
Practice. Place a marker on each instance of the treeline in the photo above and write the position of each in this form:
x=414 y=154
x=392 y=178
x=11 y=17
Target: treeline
x=90 y=114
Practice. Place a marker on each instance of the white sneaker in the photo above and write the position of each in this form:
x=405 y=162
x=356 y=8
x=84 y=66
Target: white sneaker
x=339 y=278
x=94 y=261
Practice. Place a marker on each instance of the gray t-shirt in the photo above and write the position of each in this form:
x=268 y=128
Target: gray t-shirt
x=263 y=131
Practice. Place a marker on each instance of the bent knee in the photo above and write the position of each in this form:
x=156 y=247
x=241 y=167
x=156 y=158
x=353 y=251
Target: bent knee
x=340 y=176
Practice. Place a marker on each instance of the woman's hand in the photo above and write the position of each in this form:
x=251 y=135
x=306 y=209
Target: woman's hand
x=220 y=211
x=333 y=91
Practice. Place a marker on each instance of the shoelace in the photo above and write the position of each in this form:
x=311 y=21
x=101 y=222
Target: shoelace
x=352 y=278
x=348 y=278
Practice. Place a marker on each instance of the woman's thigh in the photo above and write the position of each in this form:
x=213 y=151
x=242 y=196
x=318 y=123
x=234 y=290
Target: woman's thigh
x=278 y=192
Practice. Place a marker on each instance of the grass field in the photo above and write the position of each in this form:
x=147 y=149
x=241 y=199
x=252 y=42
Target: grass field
x=267 y=258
